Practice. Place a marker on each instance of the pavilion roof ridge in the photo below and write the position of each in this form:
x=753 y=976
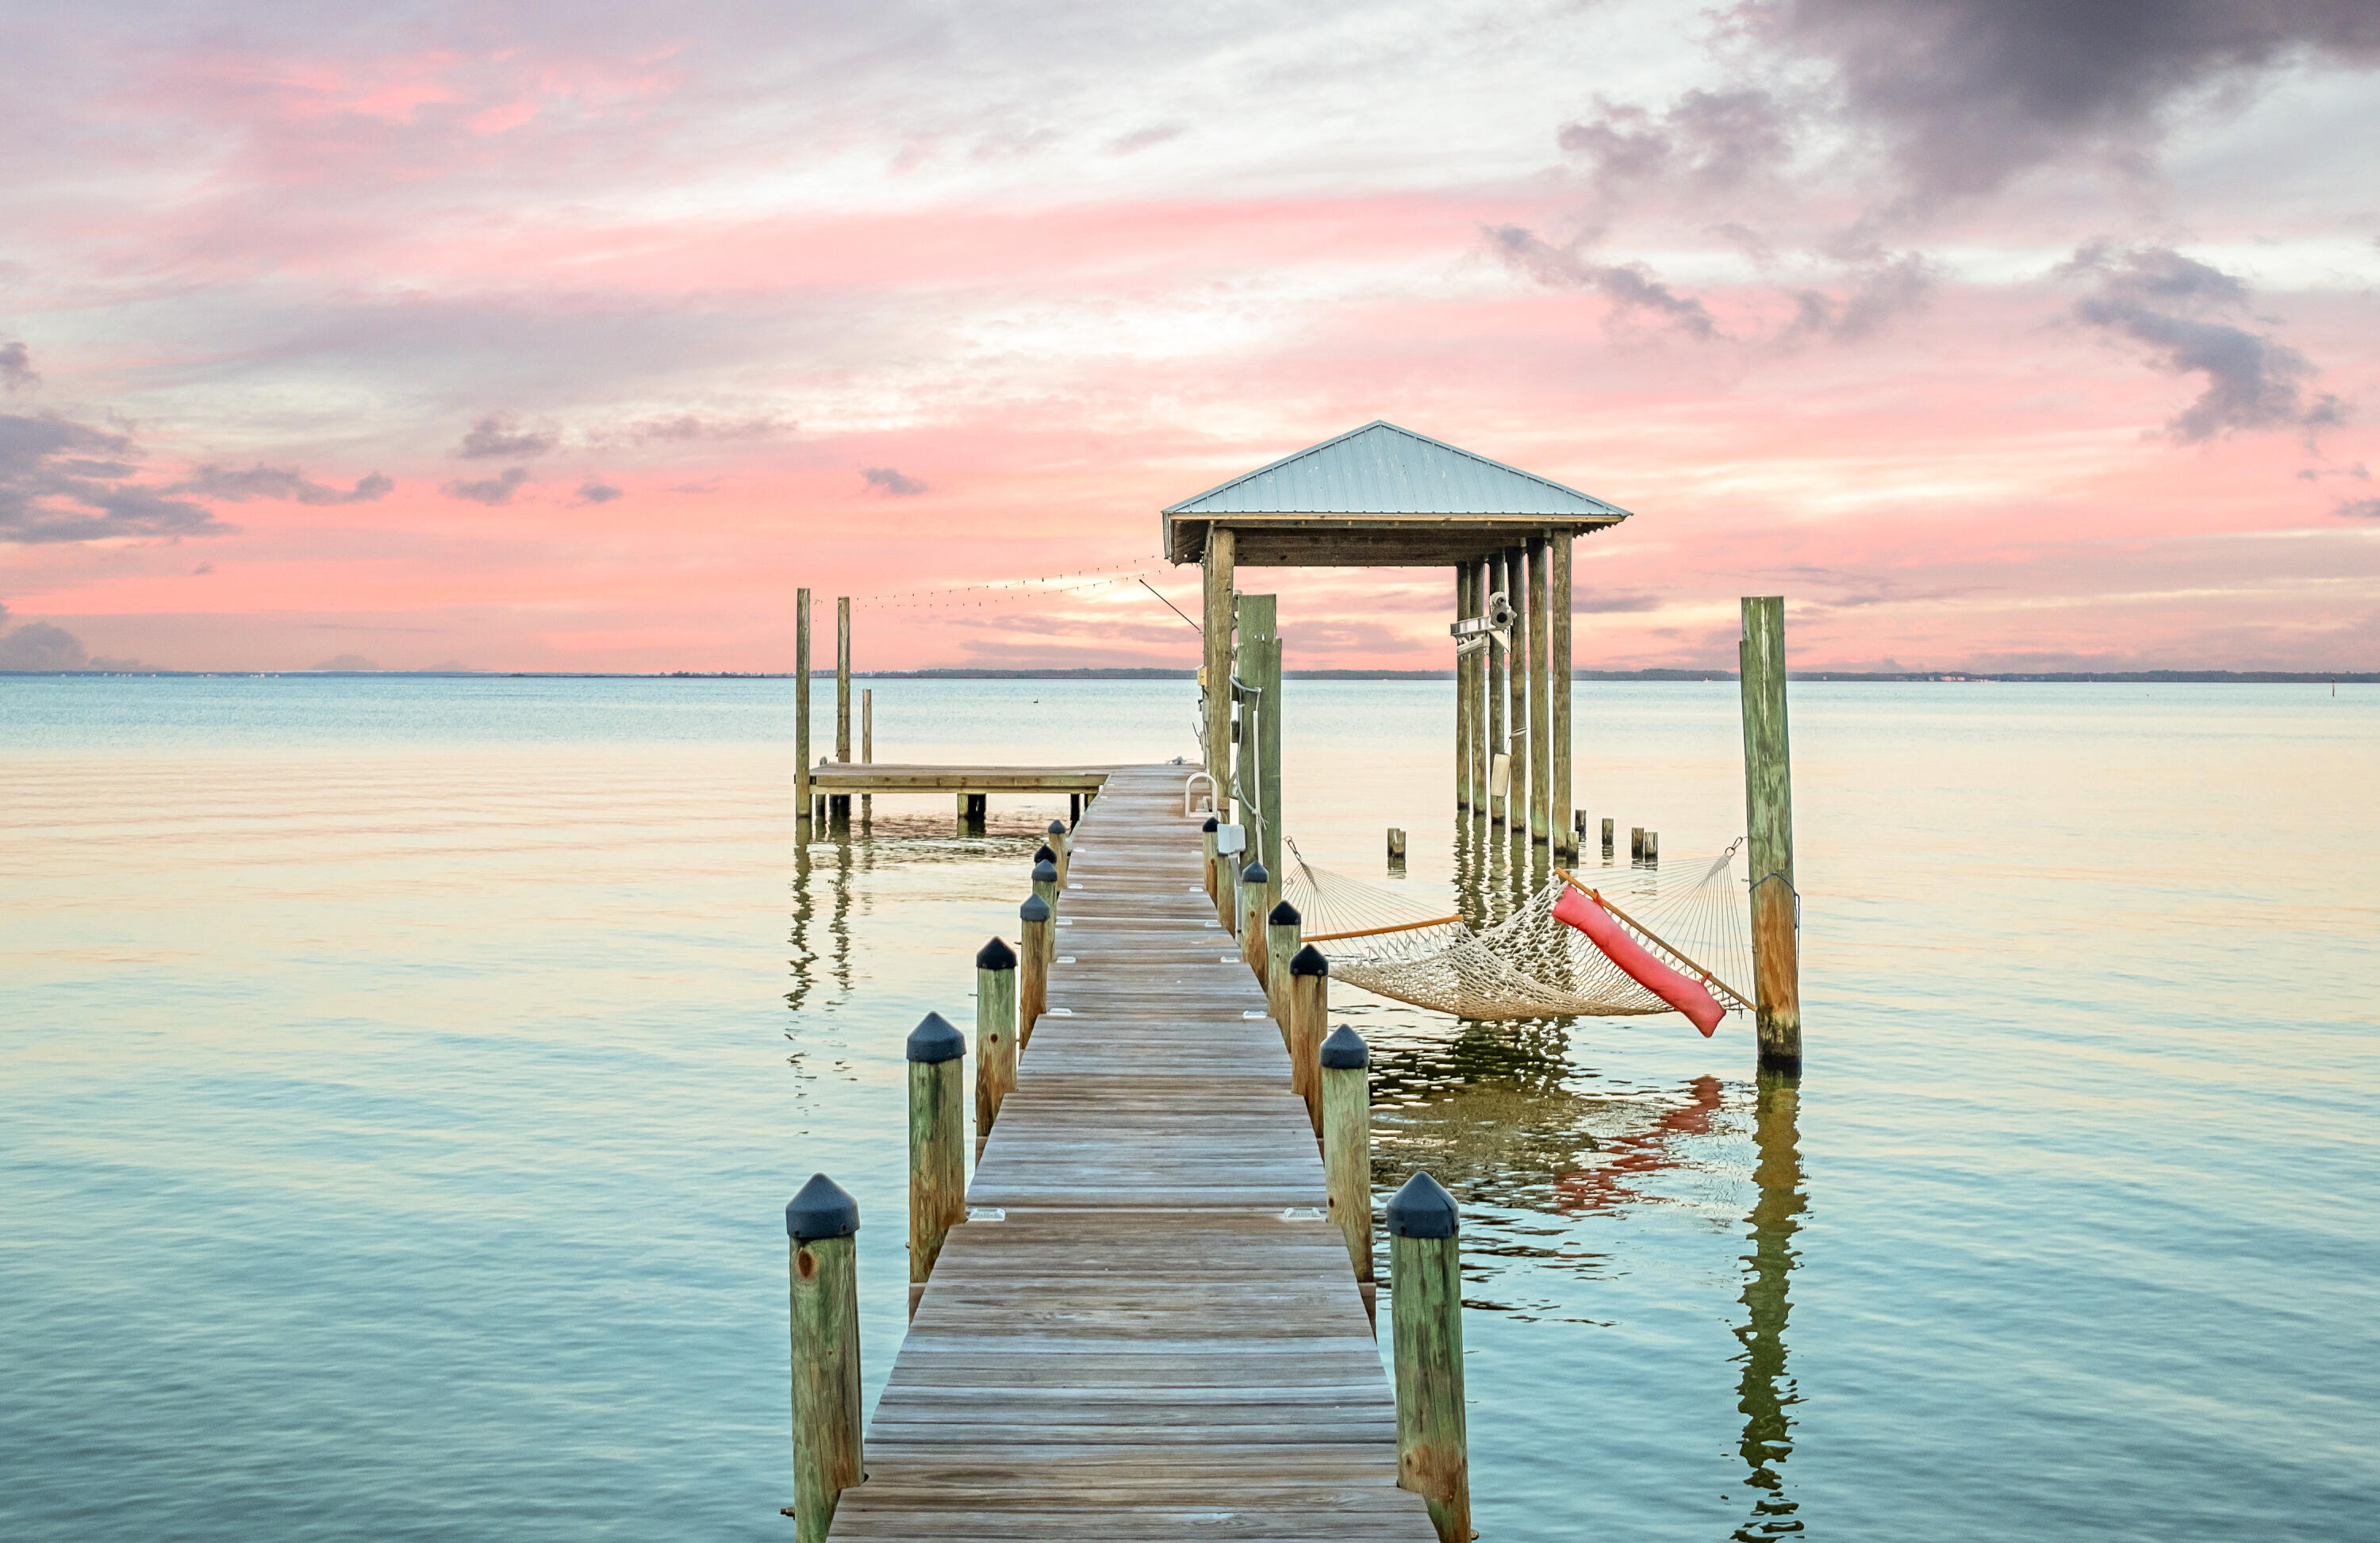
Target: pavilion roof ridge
x=1448 y=480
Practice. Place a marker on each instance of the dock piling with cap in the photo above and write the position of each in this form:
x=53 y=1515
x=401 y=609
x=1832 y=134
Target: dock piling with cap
x=1309 y=1009
x=995 y=1033
x=1344 y=1073
x=1034 y=953
x=820 y=1221
x=1426 y=1305
x=937 y=1144
x=1284 y=935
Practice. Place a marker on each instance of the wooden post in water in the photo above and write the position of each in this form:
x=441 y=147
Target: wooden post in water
x=1032 y=971
x=995 y=1034
x=1541 y=738
x=1653 y=847
x=1284 y=935
x=1635 y=844
x=1252 y=883
x=1055 y=838
x=820 y=1223
x=1558 y=691
x=1425 y=1291
x=1606 y=837
x=1499 y=583
x=867 y=747
x=1769 y=827
x=937 y=1144
x=1516 y=797
x=1216 y=673
x=1309 y=1008
x=1396 y=847
x=1347 y=1141
x=840 y=804
x=802 y=826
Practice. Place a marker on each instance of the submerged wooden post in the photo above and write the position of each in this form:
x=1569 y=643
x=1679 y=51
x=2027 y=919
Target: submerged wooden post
x=1541 y=738
x=802 y=823
x=1653 y=847
x=1396 y=848
x=1215 y=674
x=1769 y=827
x=1516 y=689
x=1558 y=692
x=1309 y=1008
x=1032 y=971
x=937 y=1144
x=1347 y=1141
x=1285 y=931
x=1635 y=844
x=1606 y=837
x=1425 y=1293
x=1055 y=840
x=820 y=1223
x=1253 y=879
x=995 y=1034
x=1497 y=584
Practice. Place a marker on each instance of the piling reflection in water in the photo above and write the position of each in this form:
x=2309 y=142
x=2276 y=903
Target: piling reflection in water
x=1766 y=1393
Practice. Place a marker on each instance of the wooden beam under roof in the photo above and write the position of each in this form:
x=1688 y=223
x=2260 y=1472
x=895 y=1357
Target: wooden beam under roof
x=1366 y=541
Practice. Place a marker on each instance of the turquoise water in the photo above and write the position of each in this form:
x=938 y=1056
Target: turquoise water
x=401 y=1082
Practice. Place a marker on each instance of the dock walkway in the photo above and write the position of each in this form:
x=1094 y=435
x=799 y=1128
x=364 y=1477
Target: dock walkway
x=1147 y=1346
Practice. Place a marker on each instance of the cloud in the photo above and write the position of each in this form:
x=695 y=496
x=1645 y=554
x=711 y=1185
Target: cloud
x=1589 y=601
x=488 y=489
x=61 y=481
x=17 y=368
x=2161 y=299
x=595 y=491
x=1629 y=286
x=2361 y=508
x=1879 y=293
x=1707 y=143
x=41 y=646
x=683 y=427
x=1142 y=138
x=498 y=436
x=892 y=482
x=284 y=482
x=348 y=661
x=1968 y=93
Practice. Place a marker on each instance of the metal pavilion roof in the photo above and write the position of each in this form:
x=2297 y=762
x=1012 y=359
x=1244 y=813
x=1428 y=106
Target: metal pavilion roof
x=1381 y=496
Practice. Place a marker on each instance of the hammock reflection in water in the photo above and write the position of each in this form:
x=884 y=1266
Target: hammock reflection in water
x=1527 y=966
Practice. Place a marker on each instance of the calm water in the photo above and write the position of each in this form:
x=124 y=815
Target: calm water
x=401 y=1082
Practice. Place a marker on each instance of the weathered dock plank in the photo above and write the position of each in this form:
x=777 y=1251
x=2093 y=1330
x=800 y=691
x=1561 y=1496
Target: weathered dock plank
x=1162 y=1339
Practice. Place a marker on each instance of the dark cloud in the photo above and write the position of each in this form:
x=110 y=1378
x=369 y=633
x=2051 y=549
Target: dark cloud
x=595 y=491
x=2361 y=508
x=1878 y=293
x=1706 y=143
x=61 y=481
x=1631 y=288
x=284 y=482
x=499 y=436
x=1592 y=603
x=2167 y=303
x=41 y=646
x=17 y=368
x=891 y=482
x=1968 y=93
x=488 y=489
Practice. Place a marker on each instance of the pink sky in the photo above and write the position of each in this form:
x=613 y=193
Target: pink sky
x=569 y=337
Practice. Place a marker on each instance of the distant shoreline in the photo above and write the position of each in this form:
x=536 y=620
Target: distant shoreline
x=2024 y=677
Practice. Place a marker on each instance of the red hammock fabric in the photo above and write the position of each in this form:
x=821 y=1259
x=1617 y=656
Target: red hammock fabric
x=1681 y=992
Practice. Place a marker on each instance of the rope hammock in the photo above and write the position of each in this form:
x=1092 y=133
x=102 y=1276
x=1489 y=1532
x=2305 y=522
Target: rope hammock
x=1529 y=966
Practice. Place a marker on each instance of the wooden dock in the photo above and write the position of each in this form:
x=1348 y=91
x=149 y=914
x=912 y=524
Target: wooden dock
x=1160 y=1336
x=862 y=776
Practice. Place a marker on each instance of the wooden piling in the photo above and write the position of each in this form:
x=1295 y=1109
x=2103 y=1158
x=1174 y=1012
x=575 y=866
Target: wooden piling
x=1252 y=883
x=1346 y=1085
x=1652 y=846
x=1216 y=673
x=842 y=678
x=1635 y=844
x=820 y=1222
x=1396 y=848
x=1259 y=764
x=802 y=821
x=867 y=746
x=1769 y=827
x=1516 y=799
x=1284 y=935
x=995 y=1034
x=1309 y=1008
x=1045 y=888
x=1425 y=1293
x=1557 y=693
x=937 y=1144
x=1606 y=837
x=1207 y=838
x=1541 y=738
x=1493 y=667
x=1227 y=889
x=1074 y=810
x=1462 y=612
x=1033 y=966
x=1055 y=838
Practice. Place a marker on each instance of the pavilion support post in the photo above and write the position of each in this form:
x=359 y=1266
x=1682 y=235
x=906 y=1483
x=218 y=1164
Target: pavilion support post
x=1216 y=672
x=1516 y=801
x=1258 y=775
x=1541 y=740
x=1465 y=586
x=1476 y=681
x=802 y=715
x=1768 y=828
x=1497 y=584
x=1558 y=644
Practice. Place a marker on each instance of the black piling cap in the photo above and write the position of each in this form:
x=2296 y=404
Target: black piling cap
x=1309 y=961
x=1213 y=824
x=1283 y=915
x=1033 y=909
x=996 y=955
x=1045 y=871
x=821 y=1210
x=1344 y=1050
x=934 y=1039
x=1044 y=855
x=1255 y=874
x=1057 y=827
x=1422 y=1208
